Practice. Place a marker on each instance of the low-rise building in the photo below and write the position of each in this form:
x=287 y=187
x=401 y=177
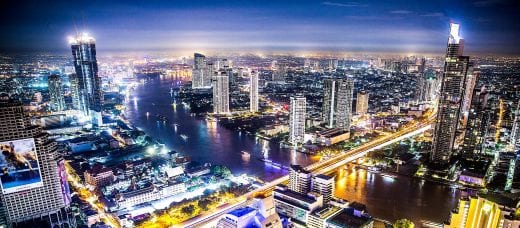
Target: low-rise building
x=296 y=206
x=99 y=176
x=332 y=136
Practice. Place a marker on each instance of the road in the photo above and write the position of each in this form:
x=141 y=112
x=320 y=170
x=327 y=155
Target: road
x=321 y=167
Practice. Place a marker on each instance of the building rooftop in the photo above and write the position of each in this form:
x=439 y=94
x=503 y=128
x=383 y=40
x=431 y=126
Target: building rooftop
x=346 y=218
x=241 y=211
x=299 y=169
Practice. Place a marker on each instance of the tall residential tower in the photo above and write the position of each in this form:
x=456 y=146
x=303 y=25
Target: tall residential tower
x=90 y=94
x=451 y=97
x=253 y=91
x=297 y=114
x=221 y=92
x=57 y=102
x=337 y=103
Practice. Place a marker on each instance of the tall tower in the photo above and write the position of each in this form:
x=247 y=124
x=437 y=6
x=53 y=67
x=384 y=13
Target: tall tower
x=253 y=91
x=451 y=96
x=74 y=91
x=199 y=73
x=514 y=139
x=89 y=83
x=362 y=103
x=34 y=185
x=337 y=103
x=57 y=102
x=299 y=179
x=221 y=92
x=297 y=120
x=478 y=123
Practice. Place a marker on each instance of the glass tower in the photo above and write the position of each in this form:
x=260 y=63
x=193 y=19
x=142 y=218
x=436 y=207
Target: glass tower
x=451 y=97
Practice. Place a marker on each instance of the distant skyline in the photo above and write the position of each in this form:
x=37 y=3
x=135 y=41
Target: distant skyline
x=400 y=27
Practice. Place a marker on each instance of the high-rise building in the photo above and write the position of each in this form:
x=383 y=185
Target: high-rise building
x=199 y=72
x=299 y=179
x=478 y=123
x=514 y=139
x=483 y=211
x=324 y=185
x=220 y=92
x=297 y=115
x=451 y=96
x=362 y=103
x=337 y=103
x=89 y=83
x=253 y=91
x=427 y=87
x=74 y=91
x=34 y=182
x=57 y=102
x=471 y=81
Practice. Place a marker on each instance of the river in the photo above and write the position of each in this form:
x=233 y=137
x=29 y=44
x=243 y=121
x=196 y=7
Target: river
x=386 y=198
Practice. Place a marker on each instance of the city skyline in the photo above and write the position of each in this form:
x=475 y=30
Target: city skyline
x=307 y=27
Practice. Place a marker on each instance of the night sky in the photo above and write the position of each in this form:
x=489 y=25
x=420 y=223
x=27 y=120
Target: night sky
x=489 y=26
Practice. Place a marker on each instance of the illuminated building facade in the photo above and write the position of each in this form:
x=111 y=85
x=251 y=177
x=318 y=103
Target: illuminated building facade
x=362 y=103
x=253 y=91
x=297 y=114
x=480 y=212
x=427 y=87
x=324 y=185
x=199 y=73
x=514 y=139
x=337 y=103
x=478 y=123
x=90 y=94
x=74 y=91
x=57 y=102
x=451 y=97
x=221 y=92
x=299 y=179
x=38 y=195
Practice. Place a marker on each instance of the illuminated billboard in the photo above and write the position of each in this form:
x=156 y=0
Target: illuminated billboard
x=19 y=167
x=65 y=190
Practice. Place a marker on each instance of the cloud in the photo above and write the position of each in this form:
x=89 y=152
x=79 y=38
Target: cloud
x=401 y=12
x=434 y=14
x=346 y=4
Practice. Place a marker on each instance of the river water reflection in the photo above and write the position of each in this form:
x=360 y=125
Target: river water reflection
x=205 y=141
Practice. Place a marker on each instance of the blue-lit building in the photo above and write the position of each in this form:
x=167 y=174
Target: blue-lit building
x=90 y=97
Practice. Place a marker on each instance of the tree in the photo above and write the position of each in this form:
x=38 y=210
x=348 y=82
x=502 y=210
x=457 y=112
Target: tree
x=403 y=223
x=188 y=210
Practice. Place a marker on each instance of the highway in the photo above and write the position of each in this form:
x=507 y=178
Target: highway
x=320 y=167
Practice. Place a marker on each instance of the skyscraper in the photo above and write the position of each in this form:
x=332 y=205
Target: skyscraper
x=253 y=91
x=337 y=103
x=299 y=179
x=34 y=185
x=427 y=87
x=451 y=96
x=478 y=123
x=514 y=139
x=57 y=102
x=221 y=92
x=89 y=83
x=471 y=81
x=297 y=114
x=362 y=103
x=199 y=71
x=74 y=91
